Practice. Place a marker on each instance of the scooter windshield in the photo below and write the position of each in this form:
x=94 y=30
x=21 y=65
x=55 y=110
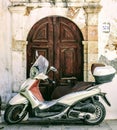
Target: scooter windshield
x=42 y=64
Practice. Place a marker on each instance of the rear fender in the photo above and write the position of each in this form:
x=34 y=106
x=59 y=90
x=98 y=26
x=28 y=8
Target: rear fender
x=18 y=99
x=103 y=96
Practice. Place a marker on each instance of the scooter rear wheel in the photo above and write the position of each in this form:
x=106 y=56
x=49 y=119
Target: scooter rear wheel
x=11 y=115
x=98 y=116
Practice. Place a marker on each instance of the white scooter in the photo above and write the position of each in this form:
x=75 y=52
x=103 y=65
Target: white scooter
x=81 y=104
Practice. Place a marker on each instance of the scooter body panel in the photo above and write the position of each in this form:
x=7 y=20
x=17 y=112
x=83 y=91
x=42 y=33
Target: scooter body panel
x=31 y=98
x=68 y=99
x=76 y=96
x=72 y=98
x=18 y=99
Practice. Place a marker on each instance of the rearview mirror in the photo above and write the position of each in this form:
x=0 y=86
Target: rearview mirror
x=52 y=68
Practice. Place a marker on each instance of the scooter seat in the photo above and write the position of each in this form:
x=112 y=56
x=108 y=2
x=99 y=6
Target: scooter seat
x=82 y=86
x=63 y=90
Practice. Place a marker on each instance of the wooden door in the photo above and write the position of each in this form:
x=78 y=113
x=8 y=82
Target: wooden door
x=60 y=41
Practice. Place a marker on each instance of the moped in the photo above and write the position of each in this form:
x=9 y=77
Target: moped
x=78 y=102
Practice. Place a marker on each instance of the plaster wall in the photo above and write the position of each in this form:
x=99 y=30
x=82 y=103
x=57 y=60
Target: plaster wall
x=107 y=50
x=5 y=51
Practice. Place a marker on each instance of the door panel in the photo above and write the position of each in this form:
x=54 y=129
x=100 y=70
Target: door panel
x=40 y=42
x=68 y=58
x=69 y=50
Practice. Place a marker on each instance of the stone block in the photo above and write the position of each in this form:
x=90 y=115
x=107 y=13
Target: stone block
x=18 y=45
x=85 y=76
x=92 y=33
x=93 y=19
x=90 y=78
x=84 y=32
x=75 y=0
x=85 y=58
x=94 y=1
x=19 y=1
x=85 y=66
x=85 y=50
x=92 y=47
x=92 y=58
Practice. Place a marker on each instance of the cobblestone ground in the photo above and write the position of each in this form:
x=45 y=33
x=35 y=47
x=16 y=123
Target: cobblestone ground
x=106 y=125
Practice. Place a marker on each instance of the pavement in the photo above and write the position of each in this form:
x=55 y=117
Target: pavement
x=105 y=125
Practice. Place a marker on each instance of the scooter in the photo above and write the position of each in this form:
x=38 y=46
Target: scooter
x=77 y=104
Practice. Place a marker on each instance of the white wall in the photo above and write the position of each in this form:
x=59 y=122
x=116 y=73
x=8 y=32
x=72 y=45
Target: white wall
x=111 y=89
x=108 y=14
x=5 y=51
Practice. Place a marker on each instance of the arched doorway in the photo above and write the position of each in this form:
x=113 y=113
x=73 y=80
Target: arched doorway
x=60 y=41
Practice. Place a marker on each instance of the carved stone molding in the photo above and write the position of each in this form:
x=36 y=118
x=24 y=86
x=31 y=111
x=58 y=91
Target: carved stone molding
x=87 y=4
x=17 y=9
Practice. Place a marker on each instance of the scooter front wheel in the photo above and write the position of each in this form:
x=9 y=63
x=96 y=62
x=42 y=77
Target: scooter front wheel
x=12 y=113
x=98 y=116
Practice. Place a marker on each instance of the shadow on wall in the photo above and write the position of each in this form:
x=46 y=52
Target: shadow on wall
x=104 y=60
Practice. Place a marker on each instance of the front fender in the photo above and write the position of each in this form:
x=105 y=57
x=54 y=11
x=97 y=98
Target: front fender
x=18 y=99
